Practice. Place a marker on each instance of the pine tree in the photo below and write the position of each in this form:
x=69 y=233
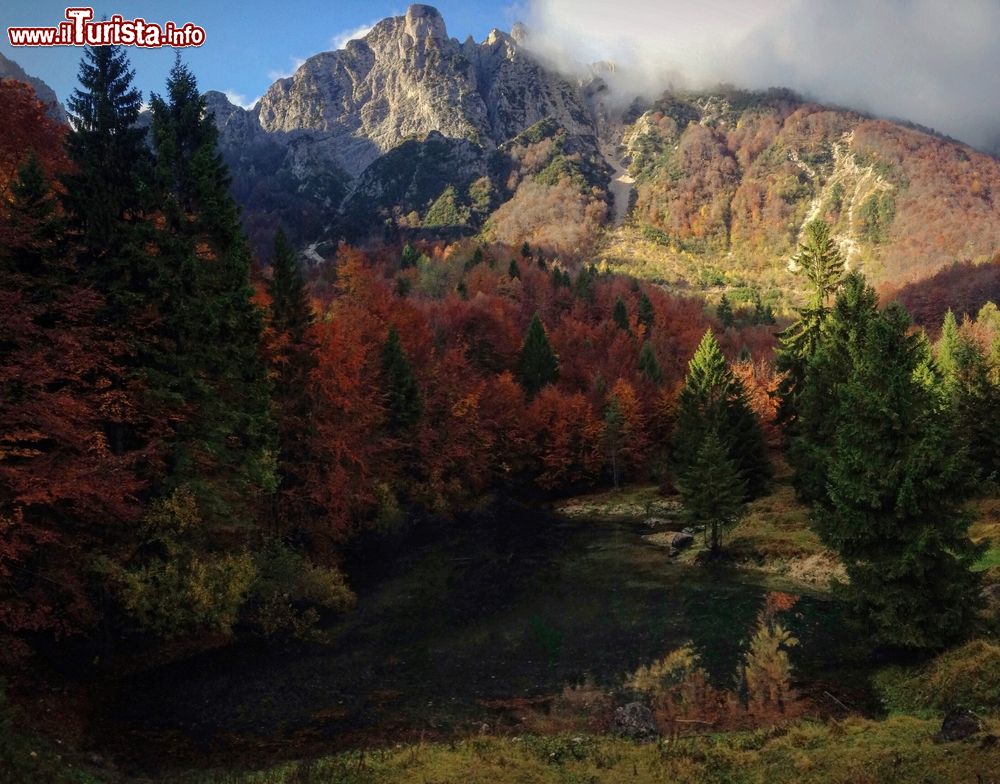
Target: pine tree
x=645 y=312
x=525 y=250
x=713 y=400
x=894 y=481
x=290 y=311
x=411 y=256
x=209 y=364
x=583 y=286
x=712 y=490
x=855 y=306
x=648 y=365
x=106 y=199
x=108 y=148
x=948 y=346
x=539 y=365
x=620 y=315
x=513 y=271
x=973 y=396
x=762 y=314
x=724 y=312
x=822 y=263
x=402 y=392
x=292 y=359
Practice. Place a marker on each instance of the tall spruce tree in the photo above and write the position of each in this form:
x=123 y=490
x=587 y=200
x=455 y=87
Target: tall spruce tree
x=645 y=312
x=712 y=491
x=539 y=365
x=713 y=400
x=972 y=394
x=292 y=358
x=821 y=262
x=889 y=480
x=108 y=149
x=724 y=312
x=107 y=197
x=223 y=450
x=855 y=306
x=648 y=365
x=620 y=315
x=400 y=383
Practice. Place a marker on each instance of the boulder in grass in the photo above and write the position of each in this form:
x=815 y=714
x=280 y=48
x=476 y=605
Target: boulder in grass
x=681 y=540
x=958 y=724
x=635 y=722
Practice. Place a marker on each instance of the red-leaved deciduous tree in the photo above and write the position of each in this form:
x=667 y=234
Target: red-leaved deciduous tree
x=66 y=501
x=25 y=127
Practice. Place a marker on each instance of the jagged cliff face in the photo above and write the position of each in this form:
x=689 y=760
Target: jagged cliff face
x=407 y=78
x=408 y=130
x=313 y=146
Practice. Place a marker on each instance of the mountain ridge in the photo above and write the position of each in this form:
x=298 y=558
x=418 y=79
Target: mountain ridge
x=409 y=133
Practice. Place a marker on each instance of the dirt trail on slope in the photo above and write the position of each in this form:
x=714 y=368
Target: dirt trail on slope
x=620 y=185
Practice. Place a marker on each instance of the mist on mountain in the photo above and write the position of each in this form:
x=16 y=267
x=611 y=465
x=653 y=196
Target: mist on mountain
x=932 y=63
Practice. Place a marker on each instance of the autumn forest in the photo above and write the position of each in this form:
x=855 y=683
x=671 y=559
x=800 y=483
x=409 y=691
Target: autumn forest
x=214 y=456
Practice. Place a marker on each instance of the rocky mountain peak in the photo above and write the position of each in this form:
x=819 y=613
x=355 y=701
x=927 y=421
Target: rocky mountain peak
x=425 y=23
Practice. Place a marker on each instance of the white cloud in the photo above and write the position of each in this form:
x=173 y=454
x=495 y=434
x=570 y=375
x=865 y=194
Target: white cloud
x=238 y=99
x=927 y=61
x=339 y=41
x=297 y=63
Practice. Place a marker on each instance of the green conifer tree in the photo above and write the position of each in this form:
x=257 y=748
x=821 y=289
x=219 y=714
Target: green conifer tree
x=411 y=256
x=648 y=365
x=513 y=271
x=713 y=400
x=108 y=149
x=724 y=312
x=855 y=306
x=402 y=392
x=894 y=481
x=620 y=315
x=645 y=312
x=210 y=365
x=948 y=346
x=539 y=365
x=292 y=361
x=821 y=262
x=973 y=396
x=712 y=491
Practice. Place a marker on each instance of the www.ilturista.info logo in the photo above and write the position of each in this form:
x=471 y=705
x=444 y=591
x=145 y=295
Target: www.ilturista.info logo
x=79 y=30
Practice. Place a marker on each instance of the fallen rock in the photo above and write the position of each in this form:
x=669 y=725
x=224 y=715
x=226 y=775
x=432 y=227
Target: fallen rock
x=681 y=540
x=958 y=724
x=654 y=522
x=635 y=722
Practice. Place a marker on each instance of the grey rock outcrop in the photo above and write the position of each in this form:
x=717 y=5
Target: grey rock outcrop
x=407 y=97
x=407 y=78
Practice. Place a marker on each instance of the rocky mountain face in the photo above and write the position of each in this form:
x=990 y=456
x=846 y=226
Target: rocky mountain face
x=11 y=70
x=407 y=132
x=380 y=129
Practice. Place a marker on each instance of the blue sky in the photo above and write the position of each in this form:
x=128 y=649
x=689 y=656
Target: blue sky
x=247 y=45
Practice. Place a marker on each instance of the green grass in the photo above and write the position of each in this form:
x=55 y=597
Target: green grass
x=853 y=751
x=967 y=676
x=632 y=503
x=988 y=560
